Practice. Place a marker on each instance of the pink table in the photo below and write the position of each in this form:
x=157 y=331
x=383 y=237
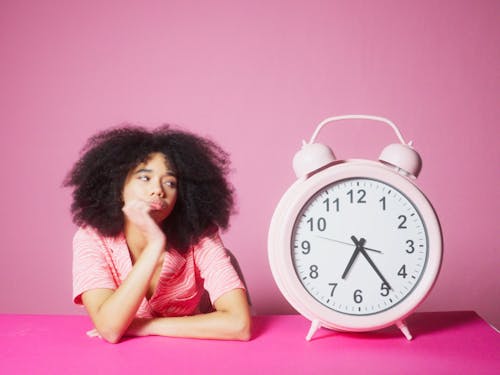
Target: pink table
x=444 y=343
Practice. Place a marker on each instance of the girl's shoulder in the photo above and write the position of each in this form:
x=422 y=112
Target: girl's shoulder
x=86 y=236
x=211 y=237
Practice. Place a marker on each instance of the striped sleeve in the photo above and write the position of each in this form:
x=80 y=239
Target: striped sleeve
x=91 y=268
x=215 y=267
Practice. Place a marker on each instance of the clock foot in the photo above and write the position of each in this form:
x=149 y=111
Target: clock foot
x=404 y=328
x=315 y=325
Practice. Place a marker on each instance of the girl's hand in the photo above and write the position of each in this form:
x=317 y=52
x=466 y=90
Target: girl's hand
x=93 y=333
x=138 y=213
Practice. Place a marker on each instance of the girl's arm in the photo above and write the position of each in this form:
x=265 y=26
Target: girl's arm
x=112 y=311
x=230 y=321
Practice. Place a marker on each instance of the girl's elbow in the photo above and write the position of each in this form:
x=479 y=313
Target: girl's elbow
x=112 y=338
x=111 y=335
x=245 y=335
x=243 y=329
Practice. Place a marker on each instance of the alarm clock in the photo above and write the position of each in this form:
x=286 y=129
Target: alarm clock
x=354 y=245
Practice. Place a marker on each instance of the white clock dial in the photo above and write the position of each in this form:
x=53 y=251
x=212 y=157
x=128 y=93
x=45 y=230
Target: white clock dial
x=359 y=246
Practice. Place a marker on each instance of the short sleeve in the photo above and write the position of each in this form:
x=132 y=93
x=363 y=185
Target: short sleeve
x=91 y=264
x=215 y=267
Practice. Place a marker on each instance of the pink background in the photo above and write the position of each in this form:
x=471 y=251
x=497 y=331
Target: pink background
x=256 y=77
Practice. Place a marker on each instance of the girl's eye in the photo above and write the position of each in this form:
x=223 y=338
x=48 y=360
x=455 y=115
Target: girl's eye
x=171 y=184
x=143 y=178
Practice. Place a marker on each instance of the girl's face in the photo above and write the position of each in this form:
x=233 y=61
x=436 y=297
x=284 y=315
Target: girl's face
x=154 y=183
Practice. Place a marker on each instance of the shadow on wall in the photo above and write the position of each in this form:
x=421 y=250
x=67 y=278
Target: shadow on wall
x=206 y=304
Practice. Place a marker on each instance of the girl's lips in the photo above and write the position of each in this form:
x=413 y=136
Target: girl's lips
x=157 y=205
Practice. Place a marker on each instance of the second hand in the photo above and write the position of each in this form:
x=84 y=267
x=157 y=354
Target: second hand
x=347 y=243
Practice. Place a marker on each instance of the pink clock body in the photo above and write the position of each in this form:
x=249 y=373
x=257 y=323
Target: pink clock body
x=354 y=245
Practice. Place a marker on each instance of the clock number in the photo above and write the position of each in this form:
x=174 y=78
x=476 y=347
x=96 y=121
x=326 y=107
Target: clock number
x=337 y=207
x=402 y=219
x=313 y=272
x=361 y=196
x=306 y=247
x=320 y=224
x=384 y=290
x=333 y=285
x=327 y=204
x=411 y=246
x=383 y=203
x=358 y=297
x=402 y=271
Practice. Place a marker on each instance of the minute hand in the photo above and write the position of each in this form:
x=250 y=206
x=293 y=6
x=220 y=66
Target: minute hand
x=365 y=254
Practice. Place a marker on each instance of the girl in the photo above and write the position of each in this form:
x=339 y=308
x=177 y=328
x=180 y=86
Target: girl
x=149 y=205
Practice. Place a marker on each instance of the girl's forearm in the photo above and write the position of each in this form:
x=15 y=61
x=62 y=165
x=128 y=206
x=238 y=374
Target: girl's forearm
x=113 y=316
x=230 y=321
x=216 y=325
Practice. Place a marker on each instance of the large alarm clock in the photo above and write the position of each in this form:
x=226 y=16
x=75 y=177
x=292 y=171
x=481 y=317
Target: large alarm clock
x=353 y=244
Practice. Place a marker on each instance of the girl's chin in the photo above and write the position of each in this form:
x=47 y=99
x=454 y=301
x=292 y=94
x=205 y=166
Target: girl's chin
x=158 y=216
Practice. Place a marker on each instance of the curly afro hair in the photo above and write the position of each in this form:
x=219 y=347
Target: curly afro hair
x=205 y=197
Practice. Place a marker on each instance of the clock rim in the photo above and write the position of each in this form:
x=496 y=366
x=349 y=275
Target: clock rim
x=280 y=237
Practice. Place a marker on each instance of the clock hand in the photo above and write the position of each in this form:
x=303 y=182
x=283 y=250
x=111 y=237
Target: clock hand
x=365 y=254
x=354 y=254
x=351 y=261
x=347 y=243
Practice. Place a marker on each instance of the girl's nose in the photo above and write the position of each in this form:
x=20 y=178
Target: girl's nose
x=158 y=191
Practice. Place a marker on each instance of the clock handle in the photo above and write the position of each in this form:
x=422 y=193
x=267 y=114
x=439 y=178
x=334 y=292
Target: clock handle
x=404 y=328
x=314 y=156
x=315 y=325
x=360 y=117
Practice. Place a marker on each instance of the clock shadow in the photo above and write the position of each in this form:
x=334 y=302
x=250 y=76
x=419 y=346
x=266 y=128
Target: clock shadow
x=425 y=323
x=419 y=324
x=382 y=334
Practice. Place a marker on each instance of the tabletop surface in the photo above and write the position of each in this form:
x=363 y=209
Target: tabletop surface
x=444 y=343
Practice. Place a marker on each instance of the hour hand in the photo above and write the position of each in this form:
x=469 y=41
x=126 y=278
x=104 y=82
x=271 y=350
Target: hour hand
x=359 y=246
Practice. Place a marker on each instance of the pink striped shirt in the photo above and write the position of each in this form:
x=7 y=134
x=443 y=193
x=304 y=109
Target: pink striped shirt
x=104 y=262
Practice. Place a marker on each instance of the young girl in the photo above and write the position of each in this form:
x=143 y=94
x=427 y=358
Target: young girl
x=149 y=205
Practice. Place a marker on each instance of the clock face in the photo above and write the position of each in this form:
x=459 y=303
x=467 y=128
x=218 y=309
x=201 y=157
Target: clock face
x=359 y=246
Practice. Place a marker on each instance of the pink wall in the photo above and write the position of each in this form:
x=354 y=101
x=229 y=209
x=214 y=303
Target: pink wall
x=257 y=77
